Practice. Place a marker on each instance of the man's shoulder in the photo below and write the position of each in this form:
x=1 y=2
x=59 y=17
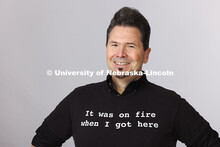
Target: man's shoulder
x=162 y=92
x=90 y=87
x=161 y=89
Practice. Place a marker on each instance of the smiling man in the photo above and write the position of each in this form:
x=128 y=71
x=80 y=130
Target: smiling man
x=125 y=110
x=126 y=53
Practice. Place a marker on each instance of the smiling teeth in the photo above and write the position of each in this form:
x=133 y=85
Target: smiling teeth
x=119 y=63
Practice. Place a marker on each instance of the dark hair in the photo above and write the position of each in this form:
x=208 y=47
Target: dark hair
x=131 y=17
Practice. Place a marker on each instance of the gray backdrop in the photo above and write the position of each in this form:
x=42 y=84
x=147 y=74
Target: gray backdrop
x=38 y=35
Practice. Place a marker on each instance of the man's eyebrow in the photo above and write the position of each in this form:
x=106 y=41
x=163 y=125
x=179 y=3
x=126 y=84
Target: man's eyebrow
x=113 y=42
x=128 y=43
x=131 y=43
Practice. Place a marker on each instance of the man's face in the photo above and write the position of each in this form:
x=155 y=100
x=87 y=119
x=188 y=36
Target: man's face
x=125 y=50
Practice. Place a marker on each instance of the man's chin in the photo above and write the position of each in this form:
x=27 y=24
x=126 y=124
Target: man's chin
x=124 y=74
x=121 y=76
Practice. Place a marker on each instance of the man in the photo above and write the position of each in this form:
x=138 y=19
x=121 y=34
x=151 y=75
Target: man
x=126 y=110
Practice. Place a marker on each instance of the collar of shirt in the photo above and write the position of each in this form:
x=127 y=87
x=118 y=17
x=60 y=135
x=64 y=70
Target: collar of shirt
x=131 y=88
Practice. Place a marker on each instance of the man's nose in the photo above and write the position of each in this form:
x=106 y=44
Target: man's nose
x=121 y=52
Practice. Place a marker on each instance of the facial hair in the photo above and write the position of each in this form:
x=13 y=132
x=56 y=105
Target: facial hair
x=120 y=76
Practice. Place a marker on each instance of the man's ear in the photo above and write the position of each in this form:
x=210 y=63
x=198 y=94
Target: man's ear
x=146 y=55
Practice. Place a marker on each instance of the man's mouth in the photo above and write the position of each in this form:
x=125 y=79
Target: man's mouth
x=121 y=63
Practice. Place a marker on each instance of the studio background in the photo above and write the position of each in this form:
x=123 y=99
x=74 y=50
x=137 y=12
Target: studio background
x=36 y=36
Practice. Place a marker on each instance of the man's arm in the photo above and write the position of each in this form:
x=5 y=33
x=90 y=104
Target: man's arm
x=192 y=129
x=56 y=128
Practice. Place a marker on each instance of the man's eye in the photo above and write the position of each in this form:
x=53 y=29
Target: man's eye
x=114 y=45
x=131 y=46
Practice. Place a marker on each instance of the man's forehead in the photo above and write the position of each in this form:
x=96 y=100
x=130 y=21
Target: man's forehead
x=125 y=30
x=124 y=34
x=120 y=40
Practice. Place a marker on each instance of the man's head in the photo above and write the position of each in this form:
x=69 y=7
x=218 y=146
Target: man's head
x=127 y=41
x=131 y=17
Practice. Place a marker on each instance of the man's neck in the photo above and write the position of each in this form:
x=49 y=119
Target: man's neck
x=121 y=84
